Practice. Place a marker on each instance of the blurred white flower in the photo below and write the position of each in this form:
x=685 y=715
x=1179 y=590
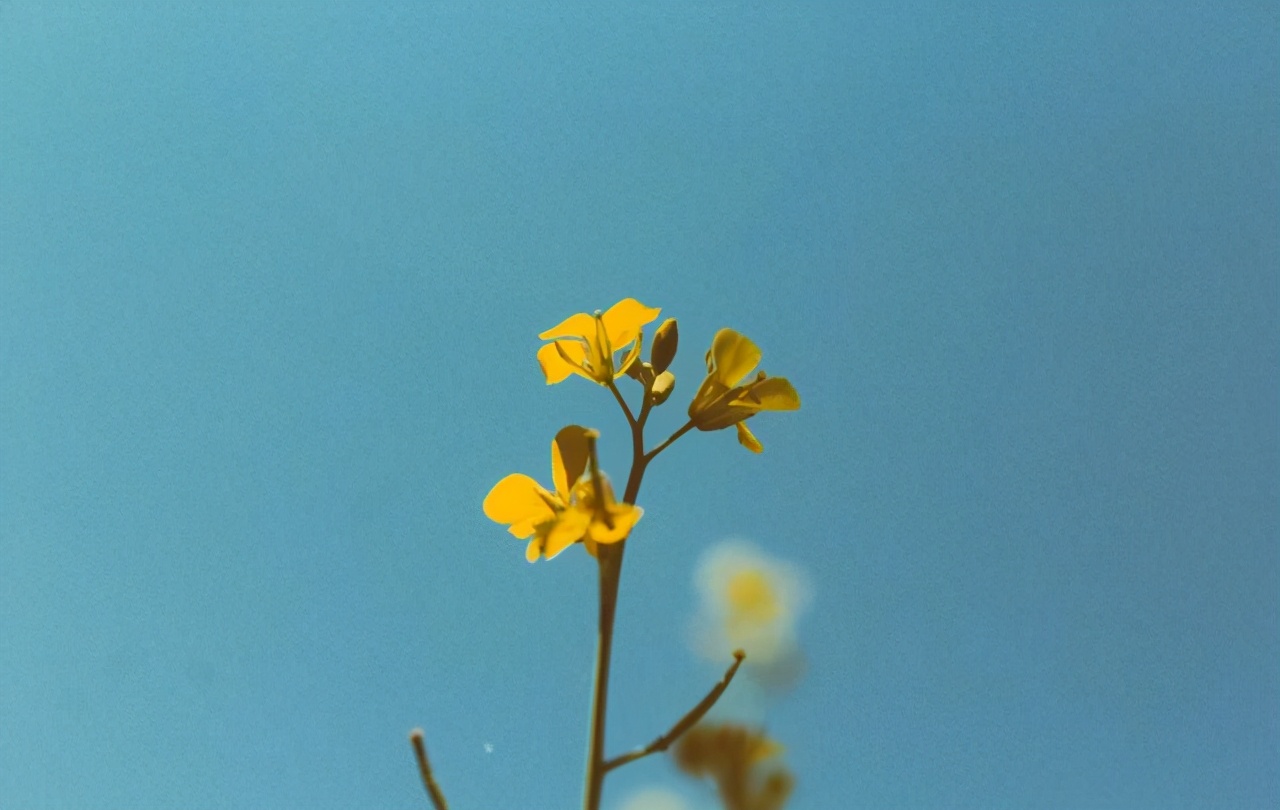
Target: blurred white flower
x=655 y=799
x=751 y=601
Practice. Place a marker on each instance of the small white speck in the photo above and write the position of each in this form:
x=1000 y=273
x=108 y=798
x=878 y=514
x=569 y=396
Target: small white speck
x=488 y=748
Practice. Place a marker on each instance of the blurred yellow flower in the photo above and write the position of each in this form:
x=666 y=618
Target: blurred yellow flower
x=751 y=601
x=741 y=761
x=585 y=344
x=723 y=399
x=576 y=510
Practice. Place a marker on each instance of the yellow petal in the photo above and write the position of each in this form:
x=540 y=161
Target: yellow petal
x=532 y=550
x=566 y=531
x=629 y=359
x=610 y=521
x=569 y=452
x=581 y=325
x=622 y=517
x=525 y=527
x=555 y=366
x=748 y=440
x=623 y=320
x=517 y=499
x=710 y=391
x=734 y=356
x=771 y=394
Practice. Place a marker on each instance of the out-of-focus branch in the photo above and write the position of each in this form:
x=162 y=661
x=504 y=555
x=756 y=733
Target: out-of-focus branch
x=684 y=723
x=424 y=767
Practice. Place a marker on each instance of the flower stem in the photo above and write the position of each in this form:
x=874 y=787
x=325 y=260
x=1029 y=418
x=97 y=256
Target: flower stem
x=688 y=426
x=610 y=558
x=631 y=420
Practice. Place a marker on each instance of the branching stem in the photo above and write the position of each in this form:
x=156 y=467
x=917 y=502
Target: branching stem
x=688 y=426
x=609 y=558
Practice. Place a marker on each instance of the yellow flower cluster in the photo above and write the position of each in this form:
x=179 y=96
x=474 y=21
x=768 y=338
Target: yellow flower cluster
x=603 y=347
x=751 y=602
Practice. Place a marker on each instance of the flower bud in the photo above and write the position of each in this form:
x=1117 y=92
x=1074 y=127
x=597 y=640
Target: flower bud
x=641 y=372
x=665 y=341
x=663 y=385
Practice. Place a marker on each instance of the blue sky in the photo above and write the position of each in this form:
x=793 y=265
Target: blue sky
x=270 y=283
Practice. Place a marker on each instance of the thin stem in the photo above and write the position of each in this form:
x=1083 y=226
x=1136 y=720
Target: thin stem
x=684 y=723
x=610 y=562
x=424 y=767
x=638 y=459
x=631 y=420
x=645 y=407
x=688 y=426
x=610 y=558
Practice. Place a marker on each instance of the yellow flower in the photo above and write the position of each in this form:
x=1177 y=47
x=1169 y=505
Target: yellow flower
x=724 y=397
x=608 y=520
x=591 y=341
x=752 y=602
x=577 y=509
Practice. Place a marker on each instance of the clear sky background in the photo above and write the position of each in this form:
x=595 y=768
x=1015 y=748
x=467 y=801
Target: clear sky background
x=270 y=283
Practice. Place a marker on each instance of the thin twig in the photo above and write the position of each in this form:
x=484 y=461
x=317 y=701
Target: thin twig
x=685 y=723
x=688 y=426
x=428 y=780
x=638 y=460
x=631 y=420
x=645 y=407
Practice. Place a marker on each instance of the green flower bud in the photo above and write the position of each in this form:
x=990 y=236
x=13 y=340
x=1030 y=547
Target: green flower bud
x=665 y=341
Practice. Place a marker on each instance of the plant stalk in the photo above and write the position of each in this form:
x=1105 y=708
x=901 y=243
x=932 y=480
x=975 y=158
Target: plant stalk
x=610 y=558
x=610 y=562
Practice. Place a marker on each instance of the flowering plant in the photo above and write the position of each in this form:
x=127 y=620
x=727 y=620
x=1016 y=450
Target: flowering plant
x=581 y=508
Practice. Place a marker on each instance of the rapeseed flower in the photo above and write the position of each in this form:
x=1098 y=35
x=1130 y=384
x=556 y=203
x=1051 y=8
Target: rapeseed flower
x=585 y=344
x=725 y=398
x=577 y=509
